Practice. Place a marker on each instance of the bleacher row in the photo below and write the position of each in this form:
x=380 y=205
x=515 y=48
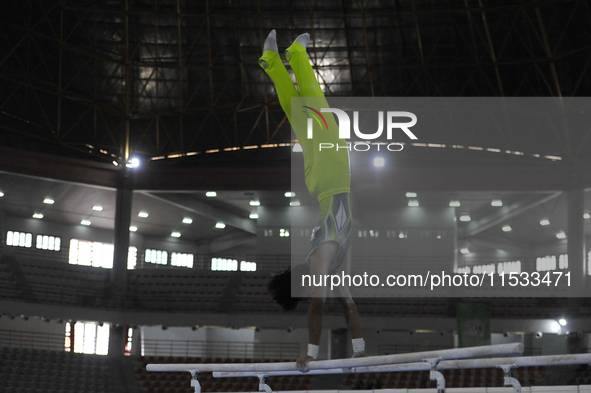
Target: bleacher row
x=41 y=371
x=178 y=289
x=36 y=371
x=527 y=376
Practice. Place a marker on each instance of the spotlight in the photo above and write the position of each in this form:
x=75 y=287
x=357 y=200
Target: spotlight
x=562 y=322
x=539 y=335
x=133 y=163
x=379 y=162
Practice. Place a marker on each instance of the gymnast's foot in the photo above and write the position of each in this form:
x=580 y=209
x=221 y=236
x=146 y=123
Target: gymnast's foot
x=302 y=39
x=361 y=354
x=270 y=44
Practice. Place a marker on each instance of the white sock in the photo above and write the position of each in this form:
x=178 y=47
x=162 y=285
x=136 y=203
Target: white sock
x=358 y=345
x=303 y=39
x=271 y=42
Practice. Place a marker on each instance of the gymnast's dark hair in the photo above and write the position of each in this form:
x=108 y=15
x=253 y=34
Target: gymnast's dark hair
x=280 y=287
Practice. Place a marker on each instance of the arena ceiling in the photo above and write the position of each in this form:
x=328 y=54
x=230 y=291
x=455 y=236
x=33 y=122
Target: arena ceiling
x=168 y=79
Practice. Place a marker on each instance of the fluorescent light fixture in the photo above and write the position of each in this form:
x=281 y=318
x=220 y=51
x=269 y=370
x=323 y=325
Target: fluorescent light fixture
x=294 y=203
x=561 y=235
x=220 y=225
x=379 y=162
x=413 y=203
x=143 y=214
x=253 y=216
x=115 y=163
x=454 y=203
x=507 y=228
x=545 y=221
x=289 y=194
x=211 y=194
x=132 y=229
x=85 y=222
x=411 y=194
x=562 y=322
x=38 y=215
x=586 y=216
x=187 y=220
x=496 y=202
x=175 y=234
x=48 y=201
x=465 y=218
x=255 y=203
x=297 y=148
x=97 y=208
x=464 y=251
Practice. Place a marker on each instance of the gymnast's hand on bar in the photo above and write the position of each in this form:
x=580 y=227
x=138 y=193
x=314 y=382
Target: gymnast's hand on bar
x=302 y=363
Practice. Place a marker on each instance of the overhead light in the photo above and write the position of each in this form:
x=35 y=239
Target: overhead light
x=413 y=203
x=465 y=251
x=411 y=194
x=496 y=202
x=85 y=222
x=454 y=204
x=97 y=208
x=379 y=162
x=38 y=215
x=255 y=203
x=507 y=228
x=133 y=163
x=294 y=203
x=465 y=218
x=115 y=163
x=297 y=148
x=187 y=220
x=143 y=214
x=1 y=194
x=211 y=194
x=545 y=221
x=586 y=216
x=562 y=322
x=561 y=235
x=253 y=216
x=220 y=225
x=132 y=229
x=290 y=194
x=48 y=201
x=175 y=234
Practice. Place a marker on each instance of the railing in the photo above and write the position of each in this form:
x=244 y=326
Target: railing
x=221 y=349
x=36 y=340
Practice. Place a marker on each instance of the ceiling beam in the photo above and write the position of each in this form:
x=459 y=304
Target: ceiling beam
x=275 y=175
x=188 y=203
x=503 y=214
